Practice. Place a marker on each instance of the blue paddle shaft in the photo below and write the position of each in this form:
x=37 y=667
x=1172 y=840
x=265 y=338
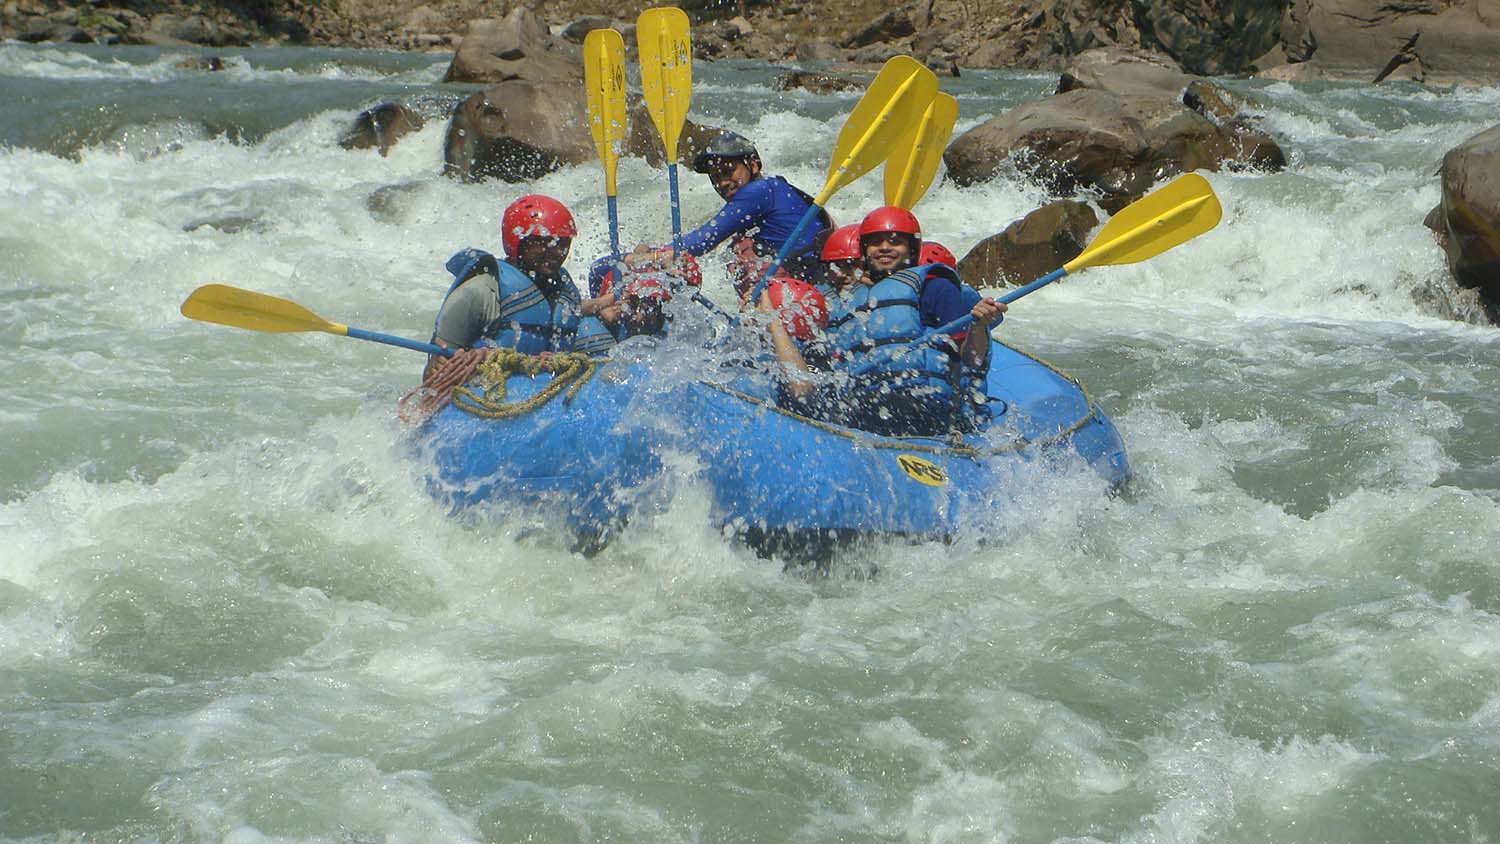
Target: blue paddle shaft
x=964 y=320
x=392 y=340
x=812 y=211
x=614 y=224
x=676 y=207
x=1033 y=287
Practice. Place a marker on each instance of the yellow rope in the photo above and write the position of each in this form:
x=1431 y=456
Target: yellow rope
x=484 y=394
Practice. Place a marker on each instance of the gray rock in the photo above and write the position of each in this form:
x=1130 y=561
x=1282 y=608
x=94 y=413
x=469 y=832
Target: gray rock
x=1470 y=212
x=232 y=224
x=391 y=203
x=817 y=50
x=381 y=127
x=1124 y=72
x=517 y=131
x=1116 y=146
x=876 y=53
x=517 y=47
x=1438 y=42
x=37 y=30
x=818 y=83
x=1214 y=101
x=1030 y=247
x=1211 y=37
x=888 y=27
x=576 y=30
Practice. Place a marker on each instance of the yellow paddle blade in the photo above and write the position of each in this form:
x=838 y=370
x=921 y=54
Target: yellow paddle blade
x=666 y=49
x=233 y=306
x=1158 y=221
x=604 y=80
x=914 y=161
x=893 y=103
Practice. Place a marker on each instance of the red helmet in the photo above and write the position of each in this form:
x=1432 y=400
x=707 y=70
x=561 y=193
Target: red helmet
x=645 y=287
x=890 y=218
x=804 y=306
x=936 y=253
x=842 y=244
x=534 y=215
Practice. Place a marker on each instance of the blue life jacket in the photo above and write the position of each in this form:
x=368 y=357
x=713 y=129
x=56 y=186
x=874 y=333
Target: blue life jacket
x=871 y=326
x=527 y=322
x=594 y=338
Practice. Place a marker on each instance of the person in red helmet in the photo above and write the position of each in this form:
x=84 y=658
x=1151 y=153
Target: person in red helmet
x=842 y=263
x=801 y=307
x=760 y=214
x=936 y=253
x=640 y=302
x=901 y=389
x=528 y=301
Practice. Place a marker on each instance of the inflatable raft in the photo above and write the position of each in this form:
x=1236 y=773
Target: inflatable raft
x=590 y=446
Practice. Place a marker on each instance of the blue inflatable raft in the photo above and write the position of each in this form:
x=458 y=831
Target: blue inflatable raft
x=592 y=450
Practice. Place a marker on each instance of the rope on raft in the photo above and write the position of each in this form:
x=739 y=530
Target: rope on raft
x=473 y=380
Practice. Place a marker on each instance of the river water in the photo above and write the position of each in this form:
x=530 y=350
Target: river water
x=229 y=611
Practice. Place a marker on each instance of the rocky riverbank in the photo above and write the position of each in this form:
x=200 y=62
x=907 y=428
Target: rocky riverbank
x=1434 y=41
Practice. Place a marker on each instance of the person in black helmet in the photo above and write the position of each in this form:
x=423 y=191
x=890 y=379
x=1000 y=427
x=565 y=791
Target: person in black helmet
x=759 y=214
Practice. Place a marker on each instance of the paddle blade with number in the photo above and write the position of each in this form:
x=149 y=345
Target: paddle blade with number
x=890 y=107
x=914 y=161
x=232 y=306
x=604 y=82
x=666 y=49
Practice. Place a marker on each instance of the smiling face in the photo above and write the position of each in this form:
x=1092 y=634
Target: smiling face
x=728 y=175
x=543 y=256
x=887 y=252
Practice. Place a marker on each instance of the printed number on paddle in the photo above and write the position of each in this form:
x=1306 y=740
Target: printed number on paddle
x=922 y=471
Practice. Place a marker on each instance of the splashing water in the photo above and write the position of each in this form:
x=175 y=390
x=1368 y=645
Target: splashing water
x=229 y=611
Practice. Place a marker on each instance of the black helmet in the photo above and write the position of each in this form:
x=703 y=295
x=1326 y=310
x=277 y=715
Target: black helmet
x=725 y=145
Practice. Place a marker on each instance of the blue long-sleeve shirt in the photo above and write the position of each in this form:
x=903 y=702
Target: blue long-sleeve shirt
x=943 y=301
x=768 y=204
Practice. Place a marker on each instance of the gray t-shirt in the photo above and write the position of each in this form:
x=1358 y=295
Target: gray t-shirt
x=467 y=311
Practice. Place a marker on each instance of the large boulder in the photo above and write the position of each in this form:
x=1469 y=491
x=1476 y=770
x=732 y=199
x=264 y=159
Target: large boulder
x=1115 y=145
x=381 y=127
x=519 y=46
x=1030 y=247
x=1439 y=42
x=1152 y=74
x=1469 y=213
x=1124 y=72
x=890 y=26
x=1210 y=37
x=518 y=131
